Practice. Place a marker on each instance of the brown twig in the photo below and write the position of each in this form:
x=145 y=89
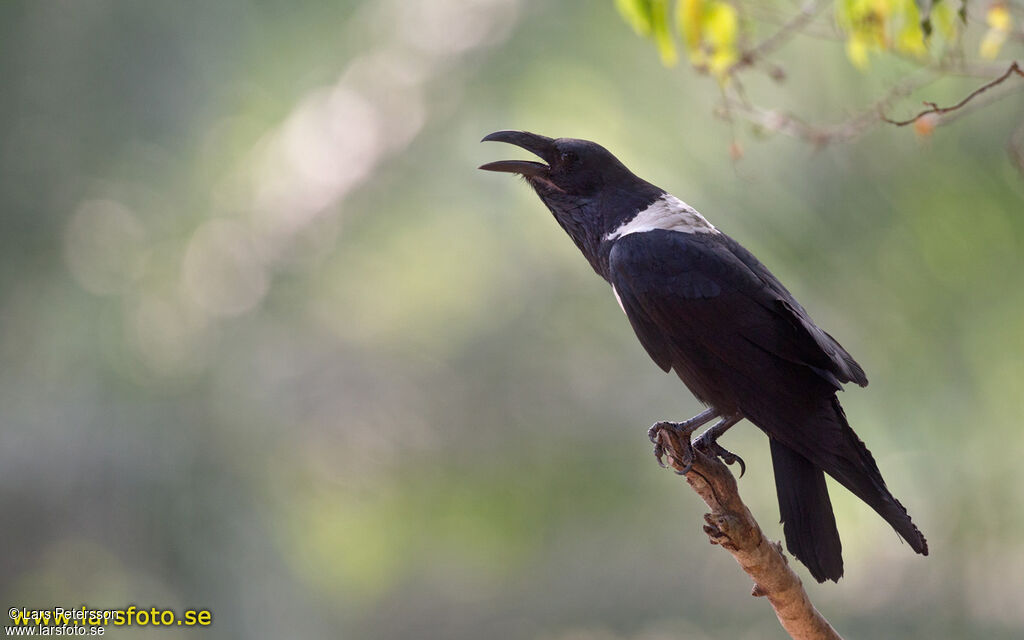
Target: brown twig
x=821 y=135
x=731 y=526
x=933 y=108
x=977 y=105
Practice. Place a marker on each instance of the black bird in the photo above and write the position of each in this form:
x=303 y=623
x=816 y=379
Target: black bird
x=704 y=306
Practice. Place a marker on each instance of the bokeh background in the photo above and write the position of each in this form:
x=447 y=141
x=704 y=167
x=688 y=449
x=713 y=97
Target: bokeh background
x=273 y=346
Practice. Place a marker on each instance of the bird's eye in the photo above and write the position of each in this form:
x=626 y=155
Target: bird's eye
x=569 y=158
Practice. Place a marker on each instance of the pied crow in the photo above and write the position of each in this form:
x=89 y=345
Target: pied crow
x=705 y=307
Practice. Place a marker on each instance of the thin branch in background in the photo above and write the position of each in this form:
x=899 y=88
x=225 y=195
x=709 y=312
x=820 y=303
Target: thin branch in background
x=936 y=109
x=965 y=69
x=817 y=135
x=821 y=135
x=779 y=19
x=783 y=35
x=854 y=126
x=863 y=121
x=952 y=62
x=731 y=526
x=859 y=123
x=976 y=105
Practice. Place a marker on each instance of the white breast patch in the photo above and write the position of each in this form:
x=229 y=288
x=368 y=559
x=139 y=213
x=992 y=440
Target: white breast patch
x=669 y=213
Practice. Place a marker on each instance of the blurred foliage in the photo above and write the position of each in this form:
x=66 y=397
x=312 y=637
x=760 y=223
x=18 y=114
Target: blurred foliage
x=872 y=27
x=273 y=347
x=736 y=41
x=1000 y=25
x=709 y=29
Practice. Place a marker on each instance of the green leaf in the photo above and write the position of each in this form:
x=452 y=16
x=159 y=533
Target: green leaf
x=638 y=13
x=649 y=18
x=662 y=32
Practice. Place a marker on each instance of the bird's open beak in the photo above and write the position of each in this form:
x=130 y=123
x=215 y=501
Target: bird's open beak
x=540 y=145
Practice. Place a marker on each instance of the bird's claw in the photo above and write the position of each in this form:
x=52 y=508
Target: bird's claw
x=659 y=452
x=654 y=434
x=655 y=430
x=673 y=438
x=685 y=469
x=684 y=461
x=711 y=447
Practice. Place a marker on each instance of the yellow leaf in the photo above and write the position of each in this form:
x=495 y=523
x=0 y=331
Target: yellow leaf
x=857 y=51
x=720 y=22
x=688 y=15
x=721 y=61
x=720 y=26
x=845 y=14
x=992 y=43
x=911 y=39
x=998 y=17
x=999 y=22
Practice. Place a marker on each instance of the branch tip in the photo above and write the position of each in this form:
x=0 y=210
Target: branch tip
x=934 y=108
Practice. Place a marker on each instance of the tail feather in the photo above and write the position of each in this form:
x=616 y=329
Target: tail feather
x=808 y=522
x=804 y=447
x=855 y=469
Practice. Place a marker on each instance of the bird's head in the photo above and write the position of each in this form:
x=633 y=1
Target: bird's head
x=586 y=188
x=575 y=168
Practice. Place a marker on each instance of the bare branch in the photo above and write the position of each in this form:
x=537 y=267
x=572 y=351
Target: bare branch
x=780 y=37
x=863 y=121
x=793 y=126
x=936 y=109
x=823 y=30
x=731 y=526
x=823 y=134
x=976 y=105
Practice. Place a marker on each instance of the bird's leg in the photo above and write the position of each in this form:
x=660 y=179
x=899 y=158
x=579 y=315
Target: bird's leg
x=708 y=442
x=678 y=436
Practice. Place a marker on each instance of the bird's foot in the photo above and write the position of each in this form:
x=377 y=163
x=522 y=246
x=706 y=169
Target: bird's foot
x=673 y=439
x=707 y=442
x=710 y=447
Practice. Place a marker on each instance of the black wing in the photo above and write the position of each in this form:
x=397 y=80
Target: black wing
x=704 y=306
x=848 y=369
x=704 y=291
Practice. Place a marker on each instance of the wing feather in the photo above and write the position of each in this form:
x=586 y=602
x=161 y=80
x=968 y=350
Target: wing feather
x=707 y=288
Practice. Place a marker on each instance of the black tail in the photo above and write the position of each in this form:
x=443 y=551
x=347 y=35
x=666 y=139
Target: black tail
x=854 y=467
x=808 y=522
x=802 y=448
